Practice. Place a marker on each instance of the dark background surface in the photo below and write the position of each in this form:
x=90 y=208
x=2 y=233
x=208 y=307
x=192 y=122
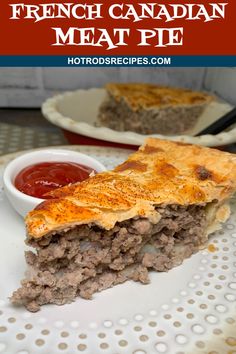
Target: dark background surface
x=22 y=129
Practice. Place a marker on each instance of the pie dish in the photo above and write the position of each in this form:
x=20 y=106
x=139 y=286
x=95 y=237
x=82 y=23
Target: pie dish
x=151 y=212
x=76 y=114
x=151 y=109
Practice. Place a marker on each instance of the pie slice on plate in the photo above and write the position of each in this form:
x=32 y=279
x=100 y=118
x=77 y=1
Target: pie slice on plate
x=149 y=213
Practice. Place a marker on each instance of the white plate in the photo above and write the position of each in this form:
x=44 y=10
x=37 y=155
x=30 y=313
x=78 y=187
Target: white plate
x=77 y=111
x=190 y=309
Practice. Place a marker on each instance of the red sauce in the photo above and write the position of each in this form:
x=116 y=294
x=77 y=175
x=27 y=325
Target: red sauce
x=41 y=178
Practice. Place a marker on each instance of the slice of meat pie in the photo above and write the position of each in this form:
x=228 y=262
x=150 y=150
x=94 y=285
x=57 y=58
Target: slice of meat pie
x=149 y=109
x=149 y=213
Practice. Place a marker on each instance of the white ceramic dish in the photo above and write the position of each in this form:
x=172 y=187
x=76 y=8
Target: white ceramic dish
x=190 y=309
x=77 y=111
x=23 y=203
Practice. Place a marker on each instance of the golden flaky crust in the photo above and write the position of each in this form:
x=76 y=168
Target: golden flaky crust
x=139 y=95
x=160 y=172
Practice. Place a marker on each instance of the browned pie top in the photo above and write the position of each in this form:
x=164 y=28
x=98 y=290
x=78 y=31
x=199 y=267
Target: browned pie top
x=160 y=172
x=139 y=95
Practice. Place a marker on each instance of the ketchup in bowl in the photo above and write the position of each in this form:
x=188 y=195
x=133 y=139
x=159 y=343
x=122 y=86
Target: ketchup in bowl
x=38 y=179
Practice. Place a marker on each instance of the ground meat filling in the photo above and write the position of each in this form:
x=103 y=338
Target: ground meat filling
x=118 y=115
x=89 y=259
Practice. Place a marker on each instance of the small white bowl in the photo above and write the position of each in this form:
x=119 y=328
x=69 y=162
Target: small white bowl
x=23 y=203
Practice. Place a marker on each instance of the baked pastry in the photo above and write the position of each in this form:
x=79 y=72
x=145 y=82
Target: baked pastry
x=149 y=213
x=149 y=109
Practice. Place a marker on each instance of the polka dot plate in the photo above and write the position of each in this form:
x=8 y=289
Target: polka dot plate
x=190 y=309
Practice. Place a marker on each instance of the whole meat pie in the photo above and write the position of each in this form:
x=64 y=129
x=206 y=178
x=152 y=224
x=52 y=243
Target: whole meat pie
x=149 y=213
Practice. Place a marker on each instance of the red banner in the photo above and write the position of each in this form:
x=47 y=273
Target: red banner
x=118 y=28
